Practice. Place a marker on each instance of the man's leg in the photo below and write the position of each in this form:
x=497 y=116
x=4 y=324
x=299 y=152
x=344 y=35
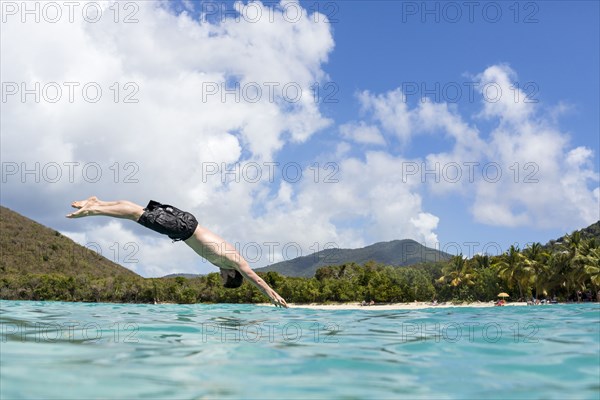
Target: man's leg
x=117 y=209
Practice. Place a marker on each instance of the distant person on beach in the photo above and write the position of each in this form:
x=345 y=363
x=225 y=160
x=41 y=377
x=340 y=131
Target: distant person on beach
x=181 y=225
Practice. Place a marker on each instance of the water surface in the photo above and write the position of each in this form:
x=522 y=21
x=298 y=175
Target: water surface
x=129 y=351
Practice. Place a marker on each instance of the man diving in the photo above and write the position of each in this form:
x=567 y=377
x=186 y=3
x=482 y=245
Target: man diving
x=181 y=225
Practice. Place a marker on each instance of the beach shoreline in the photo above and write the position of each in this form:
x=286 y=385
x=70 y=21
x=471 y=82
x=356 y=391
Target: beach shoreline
x=398 y=306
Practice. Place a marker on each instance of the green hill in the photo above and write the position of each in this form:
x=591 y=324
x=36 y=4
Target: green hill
x=591 y=232
x=183 y=275
x=31 y=248
x=396 y=253
x=38 y=263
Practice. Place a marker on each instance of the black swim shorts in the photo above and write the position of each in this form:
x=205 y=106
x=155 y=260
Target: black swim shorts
x=168 y=220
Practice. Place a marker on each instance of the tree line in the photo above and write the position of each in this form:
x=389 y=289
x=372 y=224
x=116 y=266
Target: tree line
x=569 y=271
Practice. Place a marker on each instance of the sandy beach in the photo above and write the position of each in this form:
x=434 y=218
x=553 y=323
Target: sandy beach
x=397 y=306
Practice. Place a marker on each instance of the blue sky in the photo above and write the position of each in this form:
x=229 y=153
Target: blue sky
x=387 y=72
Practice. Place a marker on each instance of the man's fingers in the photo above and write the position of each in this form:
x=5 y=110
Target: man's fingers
x=282 y=303
x=279 y=301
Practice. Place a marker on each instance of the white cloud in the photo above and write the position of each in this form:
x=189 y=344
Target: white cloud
x=544 y=182
x=390 y=110
x=369 y=191
x=501 y=97
x=523 y=172
x=362 y=133
x=426 y=224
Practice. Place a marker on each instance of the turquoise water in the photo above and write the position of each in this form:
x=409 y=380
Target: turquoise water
x=125 y=351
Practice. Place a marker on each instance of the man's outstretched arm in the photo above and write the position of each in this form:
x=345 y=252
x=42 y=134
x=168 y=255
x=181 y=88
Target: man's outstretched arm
x=261 y=285
x=224 y=255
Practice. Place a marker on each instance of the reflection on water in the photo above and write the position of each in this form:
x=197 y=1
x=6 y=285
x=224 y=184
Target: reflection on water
x=82 y=350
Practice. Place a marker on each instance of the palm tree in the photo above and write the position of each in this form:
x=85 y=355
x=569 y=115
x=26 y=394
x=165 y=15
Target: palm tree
x=457 y=272
x=592 y=265
x=559 y=266
x=536 y=260
x=571 y=243
x=512 y=269
x=587 y=264
x=482 y=261
x=577 y=253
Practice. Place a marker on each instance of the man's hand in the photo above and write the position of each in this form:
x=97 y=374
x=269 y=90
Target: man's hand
x=276 y=299
x=261 y=285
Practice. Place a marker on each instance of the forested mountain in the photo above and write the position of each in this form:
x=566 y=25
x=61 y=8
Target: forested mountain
x=396 y=253
x=591 y=232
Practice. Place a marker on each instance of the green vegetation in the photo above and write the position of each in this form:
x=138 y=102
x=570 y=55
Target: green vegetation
x=38 y=263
